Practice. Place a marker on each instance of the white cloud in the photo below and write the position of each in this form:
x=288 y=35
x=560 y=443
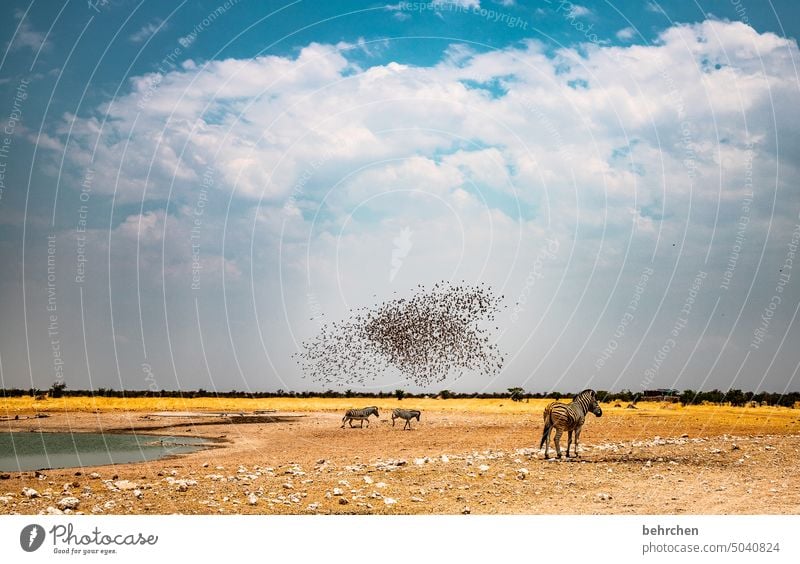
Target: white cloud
x=26 y=37
x=319 y=164
x=146 y=31
x=577 y=11
x=626 y=34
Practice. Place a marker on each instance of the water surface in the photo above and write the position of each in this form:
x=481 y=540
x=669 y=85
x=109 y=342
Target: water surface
x=35 y=451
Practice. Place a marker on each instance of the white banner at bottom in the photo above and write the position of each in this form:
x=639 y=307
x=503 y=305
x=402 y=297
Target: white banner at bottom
x=334 y=539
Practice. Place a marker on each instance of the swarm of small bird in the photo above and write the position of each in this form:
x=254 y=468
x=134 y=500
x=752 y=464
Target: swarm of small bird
x=426 y=337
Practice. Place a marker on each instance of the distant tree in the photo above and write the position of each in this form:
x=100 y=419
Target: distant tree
x=399 y=394
x=736 y=397
x=688 y=397
x=445 y=394
x=517 y=394
x=57 y=389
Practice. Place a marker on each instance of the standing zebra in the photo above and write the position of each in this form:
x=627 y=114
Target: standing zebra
x=569 y=417
x=360 y=414
x=407 y=414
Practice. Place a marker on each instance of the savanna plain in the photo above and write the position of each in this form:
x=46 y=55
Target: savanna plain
x=465 y=456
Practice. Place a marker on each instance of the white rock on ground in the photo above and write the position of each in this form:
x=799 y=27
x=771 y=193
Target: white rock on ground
x=125 y=485
x=252 y=499
x=389 y=501
x=68 y=503
x=30 y=493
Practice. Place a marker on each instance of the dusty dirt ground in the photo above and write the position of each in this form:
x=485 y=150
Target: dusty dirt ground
x=451 y=463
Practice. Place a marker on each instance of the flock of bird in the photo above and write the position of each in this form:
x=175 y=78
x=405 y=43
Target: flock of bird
x=425 y=337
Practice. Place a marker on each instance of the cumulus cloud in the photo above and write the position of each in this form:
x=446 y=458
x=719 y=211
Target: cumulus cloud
x=320 y=163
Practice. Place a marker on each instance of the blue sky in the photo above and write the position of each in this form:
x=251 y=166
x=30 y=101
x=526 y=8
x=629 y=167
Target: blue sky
x=187 y=188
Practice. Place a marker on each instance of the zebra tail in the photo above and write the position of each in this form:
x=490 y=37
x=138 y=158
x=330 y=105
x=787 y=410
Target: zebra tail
x=545 y=434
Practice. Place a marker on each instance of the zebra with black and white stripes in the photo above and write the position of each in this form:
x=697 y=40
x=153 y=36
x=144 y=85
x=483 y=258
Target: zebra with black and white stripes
x=568 y=417
x=359 y=414
x=407 y=414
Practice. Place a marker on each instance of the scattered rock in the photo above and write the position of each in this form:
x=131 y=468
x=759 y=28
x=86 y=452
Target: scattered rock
x=417 y=499
x=68 y=503
x=368 y=480
x=389 y=500
x=338 y=491
x=603 y=496
x=343 y=501
x=444 y=458
x=138 y=494
x=30 y=493
x=734 y=446
x=466 y=511
x=252 y=499
x=52 y=511
x=483 y=467
x=125 y=485
x=5 y=476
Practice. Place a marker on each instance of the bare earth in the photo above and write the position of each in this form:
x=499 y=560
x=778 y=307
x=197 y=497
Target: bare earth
x=451 y=463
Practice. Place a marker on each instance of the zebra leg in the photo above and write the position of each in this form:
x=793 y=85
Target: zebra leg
x=408 y=424
x=569 y=440
x=393 y=418
x=557 y=440
x=577 y=435
x=343 y=421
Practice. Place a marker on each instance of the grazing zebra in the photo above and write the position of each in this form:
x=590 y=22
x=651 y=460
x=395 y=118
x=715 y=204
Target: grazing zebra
x=360 y=414
x=569 y=417
x=407 y=414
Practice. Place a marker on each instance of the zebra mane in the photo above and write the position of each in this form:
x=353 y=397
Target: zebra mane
x=587 y=391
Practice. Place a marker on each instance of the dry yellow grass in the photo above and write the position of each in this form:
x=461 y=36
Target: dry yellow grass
x=722 y=415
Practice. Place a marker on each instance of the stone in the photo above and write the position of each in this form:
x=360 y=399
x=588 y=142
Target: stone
x=389 y=500
x=252 y=499
x=338 y=491
x=68 y=503
x=343 y=501
x=30 y=493
x=125 y=485
x=603 y=496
